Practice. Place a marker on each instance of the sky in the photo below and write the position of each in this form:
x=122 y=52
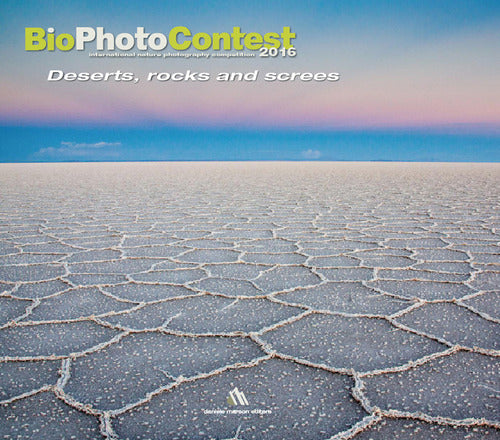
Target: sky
x=418 y=82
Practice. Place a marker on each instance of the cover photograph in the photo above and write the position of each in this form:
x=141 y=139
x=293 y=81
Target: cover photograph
x=267 y=220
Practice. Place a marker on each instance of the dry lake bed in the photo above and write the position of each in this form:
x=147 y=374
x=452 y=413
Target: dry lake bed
x=249 y=301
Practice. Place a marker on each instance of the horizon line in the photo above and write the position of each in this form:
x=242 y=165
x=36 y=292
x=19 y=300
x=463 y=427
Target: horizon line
x=250 y=160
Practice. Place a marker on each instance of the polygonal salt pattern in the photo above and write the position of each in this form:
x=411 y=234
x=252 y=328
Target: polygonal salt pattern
x=125 y=372
x=45 y=416
x=93 y=255
x=148 y=240
x=41 y=289
x=387 y=261
x=138 y=293
x=238 y=271
x=210 y=256
x=50 y=339
x=459 y=386
x=377 y=253
x=11 y=309
x=352 y=298
x=38 y=272
x=175 y=276
x=455 y=324
x=17 y=378
x=421 y=275
x=95 y=279
x=160 y=314
x=424 y=290
x=241 y=315
x=25 y=258
x=171 y=264
x=265 y=258
x=416 y=243
x=486 y=281
x=325 y=292
x=125 y=266
x=309 y=404
x=228 y=287
x=452 y=267
x=204 y=315
x=340 y=261
x=287 y=277
x=269 y=246
x=347 y=273
x=349 y=342
x=49 y=248
x=154 y=251
x=440 y=255
x=403 y=429
x=76 y=303
x=488 y=303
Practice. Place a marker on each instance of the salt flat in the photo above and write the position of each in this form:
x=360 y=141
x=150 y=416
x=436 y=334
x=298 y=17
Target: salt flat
x=344 y=300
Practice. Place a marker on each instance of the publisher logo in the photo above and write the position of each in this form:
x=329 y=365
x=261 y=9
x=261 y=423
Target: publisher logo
x=236 y=397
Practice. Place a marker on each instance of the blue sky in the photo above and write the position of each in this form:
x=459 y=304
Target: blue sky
x=419 y=81
x=55 y=144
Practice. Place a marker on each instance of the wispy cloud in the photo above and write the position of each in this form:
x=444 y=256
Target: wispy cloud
x=75 y=145
x=311 y=154
x=80 y=150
